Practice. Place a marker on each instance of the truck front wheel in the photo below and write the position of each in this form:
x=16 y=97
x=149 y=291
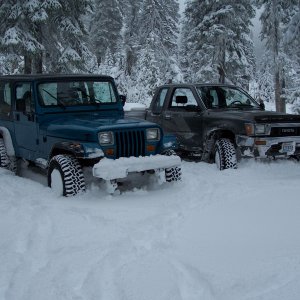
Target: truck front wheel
x=225 y=154
x=65 y=176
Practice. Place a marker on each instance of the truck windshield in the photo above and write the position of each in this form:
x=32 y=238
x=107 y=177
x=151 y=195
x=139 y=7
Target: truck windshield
x=72 y=93
x=225 y=97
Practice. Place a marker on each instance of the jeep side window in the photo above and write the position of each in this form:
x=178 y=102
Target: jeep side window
x=24 y=101
x=160 y=100
x=5 y=99
x=183 y=97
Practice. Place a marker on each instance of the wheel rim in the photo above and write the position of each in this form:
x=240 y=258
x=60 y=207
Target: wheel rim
x=57 y=184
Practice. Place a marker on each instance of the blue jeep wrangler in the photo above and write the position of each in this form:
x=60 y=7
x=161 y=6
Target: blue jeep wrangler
x=63 y=123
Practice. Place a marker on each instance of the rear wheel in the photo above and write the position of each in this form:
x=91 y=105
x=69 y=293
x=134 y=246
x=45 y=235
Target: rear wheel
x=225 y=154
x=65 y=176
x=172 y=174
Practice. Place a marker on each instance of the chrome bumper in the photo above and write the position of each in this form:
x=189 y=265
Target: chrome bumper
x=110 y=169
x=269 y=146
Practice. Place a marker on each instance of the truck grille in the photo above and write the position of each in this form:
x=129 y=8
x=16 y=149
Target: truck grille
x=285 y=131
x=130 y=143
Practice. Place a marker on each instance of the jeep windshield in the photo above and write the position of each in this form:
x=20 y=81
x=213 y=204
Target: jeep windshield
x=76 y=92
x=226 y=97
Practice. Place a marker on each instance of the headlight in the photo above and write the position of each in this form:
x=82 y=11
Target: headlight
x=260 y=128
x=256 y=129
x=106 y=138
x=249 y=129
x=153 y=134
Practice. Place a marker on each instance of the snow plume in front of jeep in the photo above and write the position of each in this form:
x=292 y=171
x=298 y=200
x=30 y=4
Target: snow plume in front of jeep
x=76 y=93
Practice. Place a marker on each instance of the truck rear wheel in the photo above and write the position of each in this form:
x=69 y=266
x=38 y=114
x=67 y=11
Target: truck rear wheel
x=225 y=154
x=172 y=174
x=65 y=176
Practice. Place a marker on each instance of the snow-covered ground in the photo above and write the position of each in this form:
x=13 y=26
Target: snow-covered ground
x=216 y=235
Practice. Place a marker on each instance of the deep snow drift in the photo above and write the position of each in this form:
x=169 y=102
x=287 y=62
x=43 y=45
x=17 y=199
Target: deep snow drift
x=216 y=235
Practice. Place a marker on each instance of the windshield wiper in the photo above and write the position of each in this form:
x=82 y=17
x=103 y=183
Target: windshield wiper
x=59 y=102
x=92 y=99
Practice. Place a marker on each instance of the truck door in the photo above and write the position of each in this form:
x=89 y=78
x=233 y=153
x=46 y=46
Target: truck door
x=26 y=131
x=154 y=115
x=183 y=117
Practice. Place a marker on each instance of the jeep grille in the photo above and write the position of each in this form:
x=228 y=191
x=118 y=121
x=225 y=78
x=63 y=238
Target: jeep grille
x=130 y=143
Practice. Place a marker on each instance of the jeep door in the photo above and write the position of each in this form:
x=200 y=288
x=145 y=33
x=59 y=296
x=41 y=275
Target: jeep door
x=183 y=117
x=26 y=131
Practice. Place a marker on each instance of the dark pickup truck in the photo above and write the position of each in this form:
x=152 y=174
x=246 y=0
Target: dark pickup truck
x=63 y=123
x=222 y=123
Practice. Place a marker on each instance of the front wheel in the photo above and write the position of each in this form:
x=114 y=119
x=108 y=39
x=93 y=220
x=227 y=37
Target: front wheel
x=172 y=174
x=6 y=162
x=65 y=176
x=225 y=154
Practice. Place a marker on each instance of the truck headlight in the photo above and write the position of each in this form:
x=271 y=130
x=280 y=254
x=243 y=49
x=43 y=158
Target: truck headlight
x=260 y=129
x=153 y=134
x=106 y=138
x=256 y=129
x=249 y=128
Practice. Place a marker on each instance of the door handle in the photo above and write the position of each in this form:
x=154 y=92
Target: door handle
x=168 y=117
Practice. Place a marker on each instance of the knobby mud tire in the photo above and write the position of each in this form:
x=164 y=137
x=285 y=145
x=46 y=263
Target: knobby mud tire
x=172 y=174
x=6 y=162
x=71 y=174
x=225 y=154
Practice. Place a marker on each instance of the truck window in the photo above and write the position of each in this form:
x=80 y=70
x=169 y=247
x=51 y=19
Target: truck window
x=160 y=100
x=183 y=93
x=5 y=99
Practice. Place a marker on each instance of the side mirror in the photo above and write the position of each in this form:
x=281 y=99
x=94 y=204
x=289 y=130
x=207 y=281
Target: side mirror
x=262 y=104
x=123 y=99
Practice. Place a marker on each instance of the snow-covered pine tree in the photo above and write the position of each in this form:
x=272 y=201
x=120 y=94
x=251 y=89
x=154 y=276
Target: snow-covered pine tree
x=216 y=43
x=48 y=34
x=105 y=29
x=66 y=36
x=157 y=44
x=131 y=10
x=19 y=29
x=274 y=18
x=292 y=47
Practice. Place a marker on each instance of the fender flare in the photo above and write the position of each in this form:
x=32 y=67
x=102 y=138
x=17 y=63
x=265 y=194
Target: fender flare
x=77 y=149
x=10 y=150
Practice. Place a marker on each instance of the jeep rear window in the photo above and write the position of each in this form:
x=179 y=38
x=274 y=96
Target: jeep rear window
x=73 y=93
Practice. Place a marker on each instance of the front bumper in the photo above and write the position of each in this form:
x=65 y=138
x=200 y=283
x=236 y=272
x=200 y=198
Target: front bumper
x=111 y=169
x=269 y=146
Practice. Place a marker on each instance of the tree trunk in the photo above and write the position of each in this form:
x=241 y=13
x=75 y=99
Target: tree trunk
x=279 y=93
x=27 y=64
x=221 y=67
x=38 y=63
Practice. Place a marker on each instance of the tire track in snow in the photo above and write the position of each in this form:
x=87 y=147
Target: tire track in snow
x=32 y=255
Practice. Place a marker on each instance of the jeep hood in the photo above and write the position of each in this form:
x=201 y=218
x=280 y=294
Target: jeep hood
x=80 y=126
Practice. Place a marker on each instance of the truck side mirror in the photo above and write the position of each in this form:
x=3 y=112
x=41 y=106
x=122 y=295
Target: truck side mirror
x=123 y=99
x=262 y=104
